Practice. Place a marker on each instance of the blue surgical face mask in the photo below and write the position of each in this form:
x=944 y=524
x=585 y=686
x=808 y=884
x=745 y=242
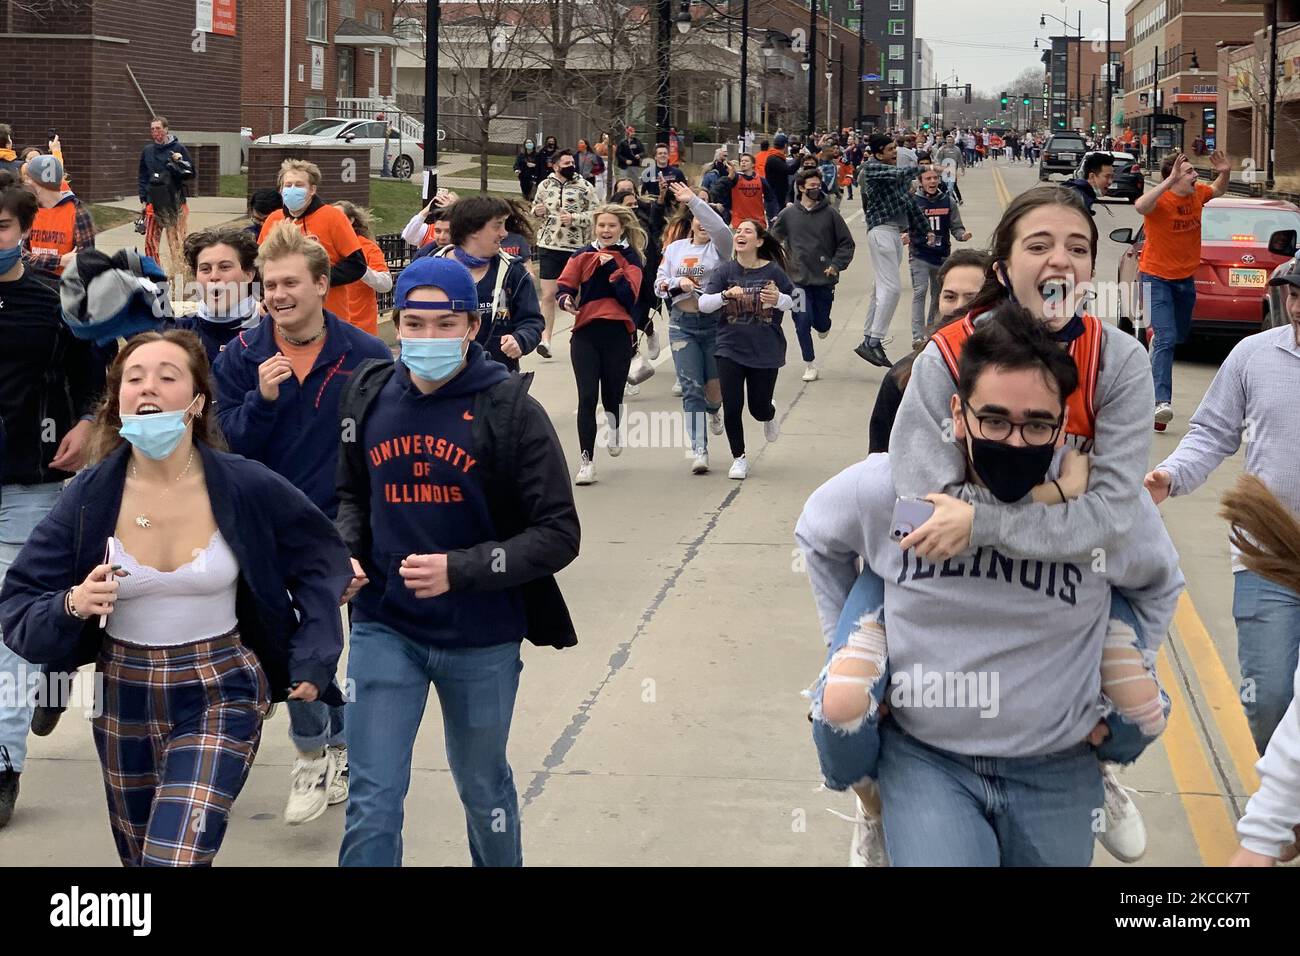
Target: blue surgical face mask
x=295 y=197
x=9 y=258
x=156 y=435
x=434 y=360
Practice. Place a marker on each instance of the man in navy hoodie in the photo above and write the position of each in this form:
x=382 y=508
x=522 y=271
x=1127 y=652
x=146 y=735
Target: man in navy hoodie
x=454 y=499
x=278 y=388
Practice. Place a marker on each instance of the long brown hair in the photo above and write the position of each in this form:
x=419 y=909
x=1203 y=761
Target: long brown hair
x=1265 y=531
x=520 y=220
x=1004 y=237
x=768 y=247
x=105 y=437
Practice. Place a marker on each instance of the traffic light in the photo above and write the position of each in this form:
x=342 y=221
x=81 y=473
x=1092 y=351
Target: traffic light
x=943 y=91
x=1025 y=101
x=1004 y=100
x=967 y=92
x=925 y=126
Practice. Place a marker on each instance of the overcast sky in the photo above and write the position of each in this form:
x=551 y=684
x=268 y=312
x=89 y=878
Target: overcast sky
x=988 y=42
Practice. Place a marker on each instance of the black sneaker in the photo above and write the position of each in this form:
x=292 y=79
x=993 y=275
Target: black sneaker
x=45 y=719
x=873 y=354
x=544 y=350
x=8 y=787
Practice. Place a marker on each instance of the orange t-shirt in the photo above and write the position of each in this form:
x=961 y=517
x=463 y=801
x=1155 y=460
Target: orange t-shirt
x=1173 y=235
x=328 y=225
x=302 y=357
x=363 y=304
x=760 y=161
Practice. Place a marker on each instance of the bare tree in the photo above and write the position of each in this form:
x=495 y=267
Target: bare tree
x=1252 y=83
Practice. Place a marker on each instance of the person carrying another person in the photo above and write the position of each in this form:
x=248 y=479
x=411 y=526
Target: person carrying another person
x=818 y=249
x=165 y=168
x=299 y=181
x=566 y=202
x=743 y=195
x=63 y=226
x=927 y=252
x=363 y=302
x=952 y=165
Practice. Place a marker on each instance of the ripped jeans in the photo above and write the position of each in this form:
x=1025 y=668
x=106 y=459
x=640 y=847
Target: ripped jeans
x=849 y=753
x=691 y=336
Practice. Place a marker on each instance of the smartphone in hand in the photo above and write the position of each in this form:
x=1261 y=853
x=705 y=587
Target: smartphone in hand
x=909 y=514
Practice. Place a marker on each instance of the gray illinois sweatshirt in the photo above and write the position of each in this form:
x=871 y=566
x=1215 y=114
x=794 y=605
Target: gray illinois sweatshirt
x=1020 y=636
x=927 y=460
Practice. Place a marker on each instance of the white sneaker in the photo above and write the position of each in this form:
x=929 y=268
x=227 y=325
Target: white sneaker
x=772 y=429
x=652 y=344
x=867 y=848
x=677 y=389
x=339 y=789
x=1125 y=835
x=716 y=424
x=632 y=389
x=701 y=464
x=309 y=788
x=824 y=335
x=1164 y=413
x=810 y=373
x=544 y=349
x=614 y=448
x=586 y=472
x=739 y=469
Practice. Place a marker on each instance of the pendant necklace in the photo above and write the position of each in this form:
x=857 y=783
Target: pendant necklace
x=143 y=521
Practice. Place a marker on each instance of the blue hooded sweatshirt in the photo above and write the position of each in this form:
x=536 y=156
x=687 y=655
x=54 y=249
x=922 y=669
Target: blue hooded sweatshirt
x=298 y=434
x=426 y=498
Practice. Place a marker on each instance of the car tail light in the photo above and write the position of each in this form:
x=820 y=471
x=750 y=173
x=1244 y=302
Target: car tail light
x=420 y=145
x=1135 y=168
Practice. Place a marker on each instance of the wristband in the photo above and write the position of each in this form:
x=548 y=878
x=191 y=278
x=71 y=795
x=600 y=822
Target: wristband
x=70 y=609
x=1059 y=491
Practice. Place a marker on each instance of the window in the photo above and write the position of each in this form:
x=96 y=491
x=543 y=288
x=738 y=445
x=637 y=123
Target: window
x=897 y=28
x=854 y=23
x=855 y=4
x=375 y=18
x=897 y=5
x=315 y=105
x=896 y=51
x=347 y=8
x=895 y=77
x=317 y=12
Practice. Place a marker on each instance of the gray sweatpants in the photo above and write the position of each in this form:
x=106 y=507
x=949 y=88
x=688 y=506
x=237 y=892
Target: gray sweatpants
x=885 y=244
x=925 y=277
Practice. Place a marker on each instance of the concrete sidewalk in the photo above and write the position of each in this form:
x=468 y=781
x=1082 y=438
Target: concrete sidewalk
x=205 y=212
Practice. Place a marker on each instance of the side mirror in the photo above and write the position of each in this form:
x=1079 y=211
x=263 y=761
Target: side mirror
x=349 y=137
x=1122 y=235
x=1283 y=243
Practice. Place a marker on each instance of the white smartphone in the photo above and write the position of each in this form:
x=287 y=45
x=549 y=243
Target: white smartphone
x=110 y=554
x=909 y=514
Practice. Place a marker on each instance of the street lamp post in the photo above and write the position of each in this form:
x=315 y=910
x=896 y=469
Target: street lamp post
x=432 y=13
x=744 y=67
x=862 y=58
x=1109 y=71
x=1272 y=93
x=810 y=65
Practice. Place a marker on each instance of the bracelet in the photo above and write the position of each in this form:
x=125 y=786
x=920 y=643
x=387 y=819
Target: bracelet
x=1059 y=491
x=70 y=609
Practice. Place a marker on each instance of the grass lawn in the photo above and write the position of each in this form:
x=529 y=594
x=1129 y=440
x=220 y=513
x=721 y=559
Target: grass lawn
x=234 y=187
x=108 y=217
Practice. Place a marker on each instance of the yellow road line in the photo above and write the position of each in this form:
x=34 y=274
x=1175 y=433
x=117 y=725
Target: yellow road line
x=1211 y=823
x=1220 y=693
x=1004 y=194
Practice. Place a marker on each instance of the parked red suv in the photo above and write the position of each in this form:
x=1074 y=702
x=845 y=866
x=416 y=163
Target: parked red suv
x=1231 y=283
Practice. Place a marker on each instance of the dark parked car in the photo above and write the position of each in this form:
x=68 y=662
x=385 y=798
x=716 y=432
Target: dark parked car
x=1061 y=154
x=1129 y=182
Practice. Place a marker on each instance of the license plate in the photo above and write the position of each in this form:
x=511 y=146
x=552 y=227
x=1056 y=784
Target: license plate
x=1065 y=156
x=1247 y=278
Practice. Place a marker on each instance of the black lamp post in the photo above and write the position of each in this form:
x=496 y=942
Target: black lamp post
x=809 y=65
x=432 y=13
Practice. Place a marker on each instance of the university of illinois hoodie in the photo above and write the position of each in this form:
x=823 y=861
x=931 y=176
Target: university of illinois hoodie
x=426 y=497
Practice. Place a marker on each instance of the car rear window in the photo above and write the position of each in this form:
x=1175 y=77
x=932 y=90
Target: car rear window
x=1239 y=224
x=1066 y=142
x=315 y=127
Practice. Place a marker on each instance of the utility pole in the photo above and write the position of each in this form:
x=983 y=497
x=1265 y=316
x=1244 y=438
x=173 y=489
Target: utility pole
x=744 y=66
x=432 y=12
x=862 y=55
x=1272 y=93
x=1109 y=72
x=812 y=68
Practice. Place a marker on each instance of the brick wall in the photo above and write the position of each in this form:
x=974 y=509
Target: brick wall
x=264 y=169
x=263 y=62
x=82 y=87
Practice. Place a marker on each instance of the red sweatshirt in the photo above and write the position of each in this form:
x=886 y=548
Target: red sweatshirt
x=605 y=291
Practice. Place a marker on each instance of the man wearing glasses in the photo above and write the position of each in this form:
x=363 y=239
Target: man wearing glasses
x=983 y=717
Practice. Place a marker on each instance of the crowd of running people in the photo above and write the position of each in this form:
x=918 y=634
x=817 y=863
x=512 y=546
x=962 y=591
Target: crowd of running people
x=222 y=499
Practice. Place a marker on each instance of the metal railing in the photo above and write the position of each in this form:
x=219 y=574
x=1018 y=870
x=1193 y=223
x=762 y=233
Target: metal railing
x=397 y=254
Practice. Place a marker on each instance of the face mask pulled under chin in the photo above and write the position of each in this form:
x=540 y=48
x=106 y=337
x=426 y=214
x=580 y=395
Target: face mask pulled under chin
x=1010 y=471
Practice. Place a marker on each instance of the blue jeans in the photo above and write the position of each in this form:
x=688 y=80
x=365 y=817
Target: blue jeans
x=314 y=724
x=1171 y=304
x=816 y=315
x=476 y=689
x=851 y=756
x=1268 y=637
x=22 y=508
x=692 y=336
x=947 y=809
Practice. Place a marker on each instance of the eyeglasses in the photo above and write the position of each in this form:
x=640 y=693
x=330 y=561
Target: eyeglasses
x=998 y=428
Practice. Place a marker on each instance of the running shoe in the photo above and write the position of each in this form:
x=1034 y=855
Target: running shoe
x=544 y=349
x=700 y=465
x=810 y=373
x=339 y=789
x=8 y=787
x=652 y=344
x=1125 y=835
x=1164 y=413
x=823 y=335
x=614 y=449
x=312 y=778
x=586 y=472
x=632 y=389
x=867 y=848
x=45 y=719
x=739 y=469
x=677 y=389
x=873 y=354
x=772 y=427
x=716 y=424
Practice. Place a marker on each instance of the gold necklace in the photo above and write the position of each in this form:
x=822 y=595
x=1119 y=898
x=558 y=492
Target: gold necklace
x=143 y=520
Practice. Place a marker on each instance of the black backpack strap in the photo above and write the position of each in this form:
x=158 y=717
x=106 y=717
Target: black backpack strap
x=366 y=381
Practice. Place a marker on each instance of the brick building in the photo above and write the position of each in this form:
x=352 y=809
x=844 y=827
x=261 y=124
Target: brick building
x=338 y=52
x=98 y=72
x=1185 y=98
x=1244 y=97
x=1075 y=81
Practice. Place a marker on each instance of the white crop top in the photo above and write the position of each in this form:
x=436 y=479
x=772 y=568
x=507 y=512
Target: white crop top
x=196 y=602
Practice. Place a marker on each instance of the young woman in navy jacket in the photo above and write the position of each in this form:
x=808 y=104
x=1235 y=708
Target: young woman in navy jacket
x=203 y=585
